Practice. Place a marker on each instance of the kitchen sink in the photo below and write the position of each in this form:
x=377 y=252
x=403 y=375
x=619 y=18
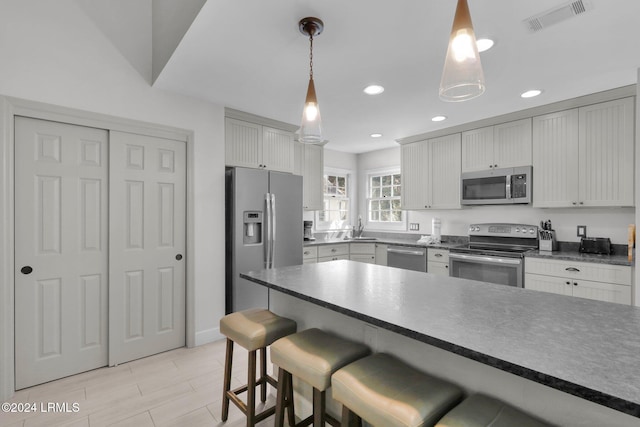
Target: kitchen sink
x=362 y=238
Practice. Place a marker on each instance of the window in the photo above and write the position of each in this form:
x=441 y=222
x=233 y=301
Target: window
x=335 y=214
x=383 y=200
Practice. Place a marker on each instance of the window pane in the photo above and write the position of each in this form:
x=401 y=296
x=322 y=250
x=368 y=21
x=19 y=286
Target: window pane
x=384 y=215
x=375 y=181
x=397 y=190
x=386 y=180
x=375 y=192
x=375 y=205
x=396 y=216
x=396 y=179
x=343 y=216
x=395 y=204
x=341 y=181
x=386 y=191
x=375 y=216
x=332 y=180
x=385 y=204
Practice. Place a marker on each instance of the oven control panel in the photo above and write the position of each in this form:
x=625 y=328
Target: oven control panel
x=504 y=230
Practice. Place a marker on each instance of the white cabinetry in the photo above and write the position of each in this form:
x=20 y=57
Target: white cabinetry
x=257 y=146
x=431 y=173
x=501 y=146
x=310 y=255
x=309 y=162
x=363 y=252
x=333 y=252
x=585 y=156
x=381 y=254
x=438 y=261
x=602 y=282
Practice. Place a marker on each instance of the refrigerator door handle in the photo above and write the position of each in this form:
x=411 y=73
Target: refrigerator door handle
x=267 y=232
x=273 y=229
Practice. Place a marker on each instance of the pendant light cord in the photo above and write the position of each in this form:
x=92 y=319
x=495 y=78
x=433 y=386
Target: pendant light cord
x=311 y=54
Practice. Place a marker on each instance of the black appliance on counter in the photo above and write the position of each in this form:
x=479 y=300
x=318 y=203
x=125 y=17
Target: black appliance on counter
x=595 y=245
x=495 y=253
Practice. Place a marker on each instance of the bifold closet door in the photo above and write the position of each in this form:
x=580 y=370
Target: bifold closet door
x=61 y=220
x=147 y=189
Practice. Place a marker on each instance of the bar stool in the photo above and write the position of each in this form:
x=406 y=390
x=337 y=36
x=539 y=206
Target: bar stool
x=483 y=411
x=384 y=391
x=313 y=356
x=254 y=330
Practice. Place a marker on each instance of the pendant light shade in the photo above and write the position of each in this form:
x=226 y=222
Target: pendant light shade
x=462 y=76
x=311 y=127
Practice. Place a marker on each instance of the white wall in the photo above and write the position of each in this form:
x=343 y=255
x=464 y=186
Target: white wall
x=51 y=52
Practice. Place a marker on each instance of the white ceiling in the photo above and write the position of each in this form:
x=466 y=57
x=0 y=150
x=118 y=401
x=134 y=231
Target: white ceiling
x=249 y=55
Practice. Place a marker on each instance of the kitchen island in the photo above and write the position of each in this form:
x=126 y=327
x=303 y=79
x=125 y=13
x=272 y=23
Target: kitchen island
x=533 y=349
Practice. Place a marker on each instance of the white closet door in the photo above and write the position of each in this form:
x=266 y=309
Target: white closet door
x=60 y=250
x=146 y=246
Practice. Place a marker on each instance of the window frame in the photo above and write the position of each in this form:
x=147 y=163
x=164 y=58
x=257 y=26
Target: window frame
x=383 y=225
x=327 y=225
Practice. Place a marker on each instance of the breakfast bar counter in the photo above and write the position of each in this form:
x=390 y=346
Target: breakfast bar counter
x=586 y=348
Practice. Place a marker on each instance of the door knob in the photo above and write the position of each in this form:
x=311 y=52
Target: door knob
x=179 y=257
x=26 y=269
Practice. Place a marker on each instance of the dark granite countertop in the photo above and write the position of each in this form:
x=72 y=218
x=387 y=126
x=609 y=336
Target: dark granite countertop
x=577 y=256
x=587 y=348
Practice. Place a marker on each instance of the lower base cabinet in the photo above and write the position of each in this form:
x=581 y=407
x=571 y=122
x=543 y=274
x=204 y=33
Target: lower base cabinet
x=363 y=252
x=438 y=261
x=381 y=254
x=612 y=284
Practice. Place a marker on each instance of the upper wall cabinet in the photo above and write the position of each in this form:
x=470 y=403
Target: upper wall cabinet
x=309 y=162
x=431 y=173
x=501 y=146
x=255 y=146
x=585 y=156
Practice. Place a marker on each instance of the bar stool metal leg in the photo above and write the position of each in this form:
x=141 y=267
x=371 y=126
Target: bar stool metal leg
x=228 y=360
x=251 y=390
x=349 y=418
x=263 y=371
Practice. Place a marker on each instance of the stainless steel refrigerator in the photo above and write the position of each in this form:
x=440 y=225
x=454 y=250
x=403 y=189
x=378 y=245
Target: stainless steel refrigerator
x=263 y=230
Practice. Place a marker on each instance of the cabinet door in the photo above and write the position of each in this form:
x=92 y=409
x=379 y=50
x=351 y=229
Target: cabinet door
x=555 y=159
x=298 y=159
x=600 y=291
x=381 y=254
x=415 y=167
x=552 y=284
x=243 y=143
x=607 y=154
x=477 y=149
x=445 y=172
x=512 y=144
x=277 y=150
x=368 y=259
x=438 y=268
x=312 y=194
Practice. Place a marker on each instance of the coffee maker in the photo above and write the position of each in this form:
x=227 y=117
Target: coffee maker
x=308 y=230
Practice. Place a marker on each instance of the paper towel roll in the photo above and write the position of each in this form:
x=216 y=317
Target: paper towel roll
x=436 y=227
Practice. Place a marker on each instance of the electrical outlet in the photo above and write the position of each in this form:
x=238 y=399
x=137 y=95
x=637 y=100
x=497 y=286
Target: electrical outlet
x=582 y=231
x=415 y=226
x=371 y=337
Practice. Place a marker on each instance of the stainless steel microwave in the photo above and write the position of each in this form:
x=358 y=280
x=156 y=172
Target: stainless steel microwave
x=505 y=186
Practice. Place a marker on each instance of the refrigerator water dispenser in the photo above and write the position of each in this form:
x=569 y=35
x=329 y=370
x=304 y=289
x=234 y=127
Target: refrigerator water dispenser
x=252 y=227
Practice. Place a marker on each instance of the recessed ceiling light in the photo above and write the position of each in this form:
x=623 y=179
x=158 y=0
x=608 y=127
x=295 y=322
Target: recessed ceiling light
x=438 y=118
x=484 y=44
x=376 y=135
x=373 y=90
x=531 y=93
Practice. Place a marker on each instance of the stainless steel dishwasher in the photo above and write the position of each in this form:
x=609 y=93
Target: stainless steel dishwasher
x=407 y=257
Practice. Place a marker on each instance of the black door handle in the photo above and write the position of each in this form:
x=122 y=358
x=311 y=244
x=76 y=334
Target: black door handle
x=26 y=269
x=179 y=257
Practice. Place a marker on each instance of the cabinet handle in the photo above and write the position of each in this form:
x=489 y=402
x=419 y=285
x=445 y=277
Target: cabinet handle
x=446 y=266
x=306 y=252
x=438 y=255
x=571 y=269
x=582 y=203
x=333 y=250
x=568 y=283
x=575 y=283
x=490 y=166
x=574 y=203
x=495 y=166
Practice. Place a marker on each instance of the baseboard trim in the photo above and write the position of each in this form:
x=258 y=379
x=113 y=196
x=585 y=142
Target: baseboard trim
x=208 y=335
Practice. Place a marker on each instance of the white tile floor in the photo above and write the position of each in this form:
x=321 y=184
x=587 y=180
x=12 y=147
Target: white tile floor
x=182 y=387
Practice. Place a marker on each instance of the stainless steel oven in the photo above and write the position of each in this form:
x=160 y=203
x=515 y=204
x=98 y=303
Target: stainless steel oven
x=495 y=253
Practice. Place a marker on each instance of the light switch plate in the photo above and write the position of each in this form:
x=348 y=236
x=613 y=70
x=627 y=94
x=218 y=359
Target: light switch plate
x=582 y=231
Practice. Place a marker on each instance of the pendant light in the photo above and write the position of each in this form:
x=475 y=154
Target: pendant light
x=311 y=127
x=462 y=76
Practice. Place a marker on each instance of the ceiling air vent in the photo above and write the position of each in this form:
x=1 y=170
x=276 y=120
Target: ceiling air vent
x=557 y=14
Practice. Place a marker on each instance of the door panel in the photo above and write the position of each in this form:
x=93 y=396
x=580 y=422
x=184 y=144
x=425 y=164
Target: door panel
x=147 y=233
x=287 y=191
x=61 y=228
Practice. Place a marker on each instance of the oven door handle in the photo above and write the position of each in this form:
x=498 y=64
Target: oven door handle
x=485 y=259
